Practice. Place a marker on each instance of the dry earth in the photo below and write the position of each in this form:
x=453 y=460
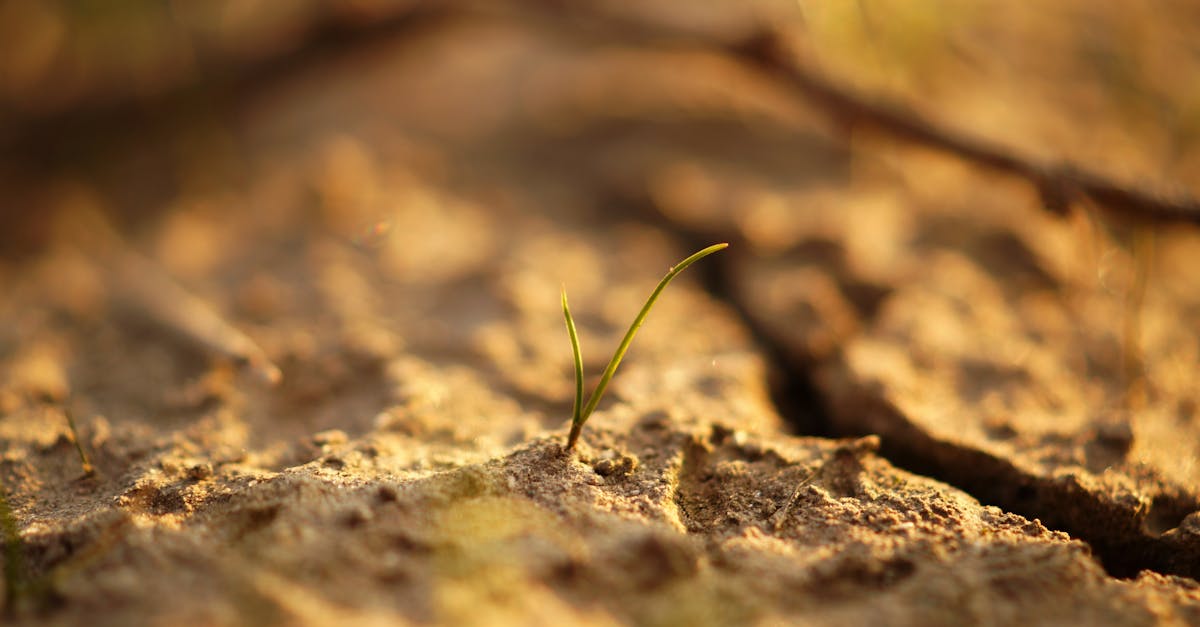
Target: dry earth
x=900 y=397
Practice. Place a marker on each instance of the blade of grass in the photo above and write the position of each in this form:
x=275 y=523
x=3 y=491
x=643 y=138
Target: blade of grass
x=14 y=563
x=576 y=420
x=88 y=469
x=611 y=369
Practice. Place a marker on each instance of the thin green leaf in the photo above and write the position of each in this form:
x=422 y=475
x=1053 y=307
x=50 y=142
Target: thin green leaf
x=576 y=415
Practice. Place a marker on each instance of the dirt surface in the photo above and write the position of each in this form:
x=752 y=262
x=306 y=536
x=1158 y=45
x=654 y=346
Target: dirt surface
x=311 y=339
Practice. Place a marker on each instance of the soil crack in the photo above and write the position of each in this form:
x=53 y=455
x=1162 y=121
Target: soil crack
x=1118 y=535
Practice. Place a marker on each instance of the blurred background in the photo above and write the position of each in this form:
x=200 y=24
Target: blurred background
x=96 y=86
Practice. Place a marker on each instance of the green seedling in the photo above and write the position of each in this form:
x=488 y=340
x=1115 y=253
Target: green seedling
x=88 y=469
x=23 y=590
x=581 y=412
x=14 y=554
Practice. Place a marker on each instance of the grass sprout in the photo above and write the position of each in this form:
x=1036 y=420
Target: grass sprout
x=14 y=554
x=88 y=469
x=581 y=412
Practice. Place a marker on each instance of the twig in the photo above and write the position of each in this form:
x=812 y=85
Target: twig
x=765 y=50
x=1059 y=183
x=144 y=288
x=164 y=301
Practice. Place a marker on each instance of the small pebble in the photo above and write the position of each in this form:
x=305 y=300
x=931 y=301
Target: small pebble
x=330 y=437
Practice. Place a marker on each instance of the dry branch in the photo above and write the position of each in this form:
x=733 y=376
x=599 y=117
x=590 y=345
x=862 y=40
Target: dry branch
x=1059 y=184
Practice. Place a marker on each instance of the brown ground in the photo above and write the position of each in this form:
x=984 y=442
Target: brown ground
x=904 y=395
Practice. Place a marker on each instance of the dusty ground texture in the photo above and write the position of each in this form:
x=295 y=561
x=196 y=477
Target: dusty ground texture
x=310 y=335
